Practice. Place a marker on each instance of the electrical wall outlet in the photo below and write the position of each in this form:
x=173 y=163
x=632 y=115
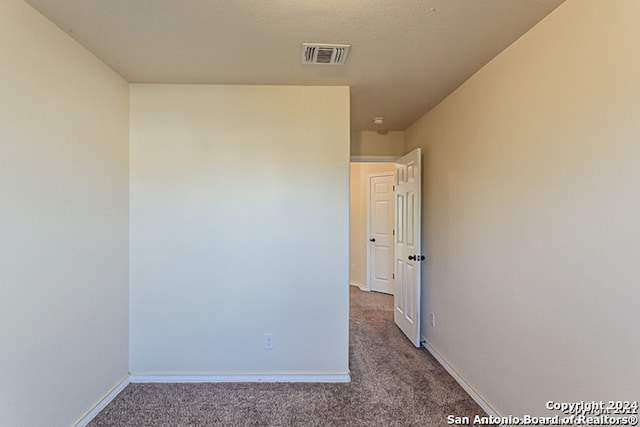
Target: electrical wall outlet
x=268 y=341
x=432 y=319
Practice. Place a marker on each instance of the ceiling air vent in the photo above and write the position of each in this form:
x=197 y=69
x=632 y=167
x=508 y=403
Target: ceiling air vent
x=318 y=53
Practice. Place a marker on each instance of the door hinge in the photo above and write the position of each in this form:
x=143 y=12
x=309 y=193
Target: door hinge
x=393 y=275
x=394 y=187
x=394 y=232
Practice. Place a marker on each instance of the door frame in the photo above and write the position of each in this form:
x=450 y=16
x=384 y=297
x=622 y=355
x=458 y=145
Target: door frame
x=369 y=252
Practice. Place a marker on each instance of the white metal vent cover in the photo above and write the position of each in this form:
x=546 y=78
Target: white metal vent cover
x=322 y=53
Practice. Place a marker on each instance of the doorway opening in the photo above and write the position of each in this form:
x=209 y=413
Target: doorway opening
x=385 y=235
x=380 y=232
x=361 y=248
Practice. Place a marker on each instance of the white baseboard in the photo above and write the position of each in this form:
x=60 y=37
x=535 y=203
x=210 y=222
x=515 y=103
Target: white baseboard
x=240 y=378
x=100 y=405
x=460 y=380
x=358 y=285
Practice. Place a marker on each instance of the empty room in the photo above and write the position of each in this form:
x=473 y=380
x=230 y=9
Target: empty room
x=319 y=213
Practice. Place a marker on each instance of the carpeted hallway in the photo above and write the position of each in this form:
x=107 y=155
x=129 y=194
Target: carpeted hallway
x=392 y=384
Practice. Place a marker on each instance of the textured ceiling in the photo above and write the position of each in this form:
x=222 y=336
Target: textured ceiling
x=406 y=55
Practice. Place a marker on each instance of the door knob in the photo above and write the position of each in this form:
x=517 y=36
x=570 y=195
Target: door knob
x=372 y=239
x=412 y=257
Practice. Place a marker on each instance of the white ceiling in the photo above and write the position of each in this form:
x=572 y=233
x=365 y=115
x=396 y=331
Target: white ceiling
x=406 y=55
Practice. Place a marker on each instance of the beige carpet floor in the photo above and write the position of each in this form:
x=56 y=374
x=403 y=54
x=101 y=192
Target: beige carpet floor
x=392 y=384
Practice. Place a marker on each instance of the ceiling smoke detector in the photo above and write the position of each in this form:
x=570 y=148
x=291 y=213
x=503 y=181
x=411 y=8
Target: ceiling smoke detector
x=322 y=53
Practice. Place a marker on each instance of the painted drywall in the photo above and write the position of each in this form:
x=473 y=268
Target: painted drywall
x=356 y=269
x=371 y=143
x=63 y=223
x=532 y=215
x=358 y=235
x=239 y=227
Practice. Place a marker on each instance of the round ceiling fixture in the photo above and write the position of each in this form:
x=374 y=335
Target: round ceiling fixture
x=378 y=120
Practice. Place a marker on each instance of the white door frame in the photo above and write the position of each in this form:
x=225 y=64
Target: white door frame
x=367 y=236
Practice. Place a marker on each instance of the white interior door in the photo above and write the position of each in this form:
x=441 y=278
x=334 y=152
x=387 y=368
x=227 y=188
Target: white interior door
x=408 y=258
x=380 y=219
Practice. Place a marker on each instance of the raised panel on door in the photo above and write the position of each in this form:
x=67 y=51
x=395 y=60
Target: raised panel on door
x=400 y=225
x=381 y=256
x=400 y=295
x=382 y=217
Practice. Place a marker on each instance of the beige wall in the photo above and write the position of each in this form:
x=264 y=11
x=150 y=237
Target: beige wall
x=371 y=143
x=358 y=235
x=532 y=214
x=239 y=227
x=63 y=224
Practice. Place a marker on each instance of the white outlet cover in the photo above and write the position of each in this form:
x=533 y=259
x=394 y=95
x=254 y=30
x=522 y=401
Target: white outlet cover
x=268 y=341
